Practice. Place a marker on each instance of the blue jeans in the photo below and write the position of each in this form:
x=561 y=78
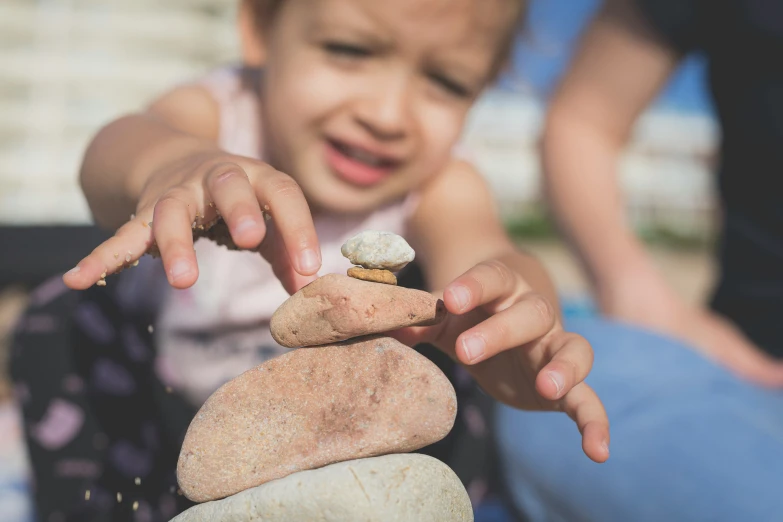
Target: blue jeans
x=690 y=442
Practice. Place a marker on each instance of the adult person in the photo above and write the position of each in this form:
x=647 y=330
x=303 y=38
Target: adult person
x=696 y=408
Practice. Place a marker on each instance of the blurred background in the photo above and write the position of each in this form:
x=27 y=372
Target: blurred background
x=69 y=66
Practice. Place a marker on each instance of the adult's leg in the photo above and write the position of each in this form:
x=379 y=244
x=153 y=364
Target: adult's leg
x=689 y=440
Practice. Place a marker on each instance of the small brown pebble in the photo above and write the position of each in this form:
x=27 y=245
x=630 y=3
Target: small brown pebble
x=144 y=224
x=179 y=492
x=168 y=389
x=116 y=255
x=211 y=205
x=372 y=274
x=119 y=265
x=101 y=282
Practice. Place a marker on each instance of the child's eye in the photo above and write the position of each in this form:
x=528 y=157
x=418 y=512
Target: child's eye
x=346 y=50
x=451 y=86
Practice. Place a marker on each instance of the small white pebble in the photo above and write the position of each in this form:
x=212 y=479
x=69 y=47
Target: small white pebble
x=266 y=207
x=128 y=258
x=150 y=223
x=87 y=495
x=119 y=497
x=135 y=263
x=137 y=481
x=135 y=505
x=150 y=329
x=101 y=282
x=103 y=275
x=133 y=216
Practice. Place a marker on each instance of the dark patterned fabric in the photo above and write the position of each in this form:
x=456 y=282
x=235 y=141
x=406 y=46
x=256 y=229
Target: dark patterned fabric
x=99 y=420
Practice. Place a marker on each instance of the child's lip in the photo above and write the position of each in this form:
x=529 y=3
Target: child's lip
x=362 y=171
x=383 y=157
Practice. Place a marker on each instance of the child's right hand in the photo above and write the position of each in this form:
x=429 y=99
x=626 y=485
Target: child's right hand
x=195 y=189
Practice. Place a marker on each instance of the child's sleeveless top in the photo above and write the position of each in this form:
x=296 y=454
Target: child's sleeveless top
x=218 y=328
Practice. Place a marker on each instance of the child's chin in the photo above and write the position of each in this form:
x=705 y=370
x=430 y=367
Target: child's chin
x=345 y=199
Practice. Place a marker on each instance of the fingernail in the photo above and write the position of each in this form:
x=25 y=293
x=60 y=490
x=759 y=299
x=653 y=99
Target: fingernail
x=309 y=260
x=605 y=446
x=245 y=224
x=74 y=270
x=461 y=295
x=474 y=347
x=179 y=269
x=558 y=380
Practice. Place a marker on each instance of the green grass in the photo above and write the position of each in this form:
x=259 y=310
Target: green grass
x=537 y=225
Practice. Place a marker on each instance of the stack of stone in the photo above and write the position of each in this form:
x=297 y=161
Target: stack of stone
x=324 y=432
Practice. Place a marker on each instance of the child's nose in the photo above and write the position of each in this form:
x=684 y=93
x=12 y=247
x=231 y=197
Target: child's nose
x=385 y=110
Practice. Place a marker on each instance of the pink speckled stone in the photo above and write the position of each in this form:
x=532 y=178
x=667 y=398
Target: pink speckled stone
x=312 y=407
x=335 y=307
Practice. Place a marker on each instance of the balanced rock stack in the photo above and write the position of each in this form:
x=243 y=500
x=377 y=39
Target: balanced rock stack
x=323 y=432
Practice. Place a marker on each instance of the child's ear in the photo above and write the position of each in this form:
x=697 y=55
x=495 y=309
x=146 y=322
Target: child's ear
x=251 y=40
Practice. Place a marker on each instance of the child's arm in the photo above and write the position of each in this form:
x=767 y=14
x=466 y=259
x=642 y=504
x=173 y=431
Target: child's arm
x=504 y=299
x=164 y=166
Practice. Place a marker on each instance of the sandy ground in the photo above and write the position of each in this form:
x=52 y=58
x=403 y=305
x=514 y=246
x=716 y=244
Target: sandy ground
x=690 y=273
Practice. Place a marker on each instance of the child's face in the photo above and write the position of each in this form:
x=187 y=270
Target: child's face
x=364 y=99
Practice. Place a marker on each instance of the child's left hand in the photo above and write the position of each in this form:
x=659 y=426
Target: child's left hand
x=512 y=342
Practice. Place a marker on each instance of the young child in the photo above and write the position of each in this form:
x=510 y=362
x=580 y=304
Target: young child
x=344 y=118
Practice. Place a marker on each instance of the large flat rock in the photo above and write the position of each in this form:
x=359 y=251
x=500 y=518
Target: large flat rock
x=312 y=407
x=391 y=488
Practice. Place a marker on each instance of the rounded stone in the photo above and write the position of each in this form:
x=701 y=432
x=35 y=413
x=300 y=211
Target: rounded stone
x=392 y=488
x=381 y=250
x=313 y=407
x=336 y=307
x=373 y=275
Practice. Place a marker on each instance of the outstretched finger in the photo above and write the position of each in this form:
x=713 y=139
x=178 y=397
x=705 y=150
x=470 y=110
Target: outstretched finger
x=570 y=359
x=274 y=251
x=585 y=408
x=231 y=192
x=120 y=251
x=489 y=283
x=172 y=229
x=526 y=320
x=292 y=217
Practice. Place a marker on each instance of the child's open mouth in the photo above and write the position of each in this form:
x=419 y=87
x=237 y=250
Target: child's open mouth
x=357 y=165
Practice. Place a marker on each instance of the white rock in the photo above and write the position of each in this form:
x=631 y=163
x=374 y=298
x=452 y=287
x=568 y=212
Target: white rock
x=381 y=250
x=394 y=488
